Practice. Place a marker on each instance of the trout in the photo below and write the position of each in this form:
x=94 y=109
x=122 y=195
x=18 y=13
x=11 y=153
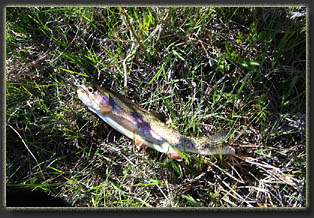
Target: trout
x=144 y=128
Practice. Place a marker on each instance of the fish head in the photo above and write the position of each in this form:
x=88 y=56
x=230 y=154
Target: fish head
x=93 y=98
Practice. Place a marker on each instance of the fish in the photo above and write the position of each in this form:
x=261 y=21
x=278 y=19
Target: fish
x=144 y=128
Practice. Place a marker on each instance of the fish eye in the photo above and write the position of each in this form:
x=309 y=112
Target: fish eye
x=90 y=89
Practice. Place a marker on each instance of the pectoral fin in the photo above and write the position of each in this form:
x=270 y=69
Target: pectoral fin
x=138 y=142
x=106 y=109
x=174 y=156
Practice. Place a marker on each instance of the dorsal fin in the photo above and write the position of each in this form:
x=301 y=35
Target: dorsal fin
x=159 y=115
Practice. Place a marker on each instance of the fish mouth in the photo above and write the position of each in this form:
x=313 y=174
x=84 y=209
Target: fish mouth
x=89 y=99
x=81 y=86
x=83 y=93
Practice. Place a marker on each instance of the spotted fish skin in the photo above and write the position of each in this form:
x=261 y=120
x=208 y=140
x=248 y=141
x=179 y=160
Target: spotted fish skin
x=142 y=126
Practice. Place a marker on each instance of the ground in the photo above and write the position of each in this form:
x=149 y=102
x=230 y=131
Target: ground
x=206 y=70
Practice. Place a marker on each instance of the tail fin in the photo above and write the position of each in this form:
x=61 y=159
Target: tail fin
x=219 y=138
x=218 y=144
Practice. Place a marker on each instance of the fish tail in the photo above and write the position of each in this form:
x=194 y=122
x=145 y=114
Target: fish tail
x=214 y=145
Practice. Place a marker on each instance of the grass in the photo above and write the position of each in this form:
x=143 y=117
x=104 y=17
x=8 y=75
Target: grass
x=207 y=70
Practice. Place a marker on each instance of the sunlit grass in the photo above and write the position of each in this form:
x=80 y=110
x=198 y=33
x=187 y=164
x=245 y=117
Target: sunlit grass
x=206 y=70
